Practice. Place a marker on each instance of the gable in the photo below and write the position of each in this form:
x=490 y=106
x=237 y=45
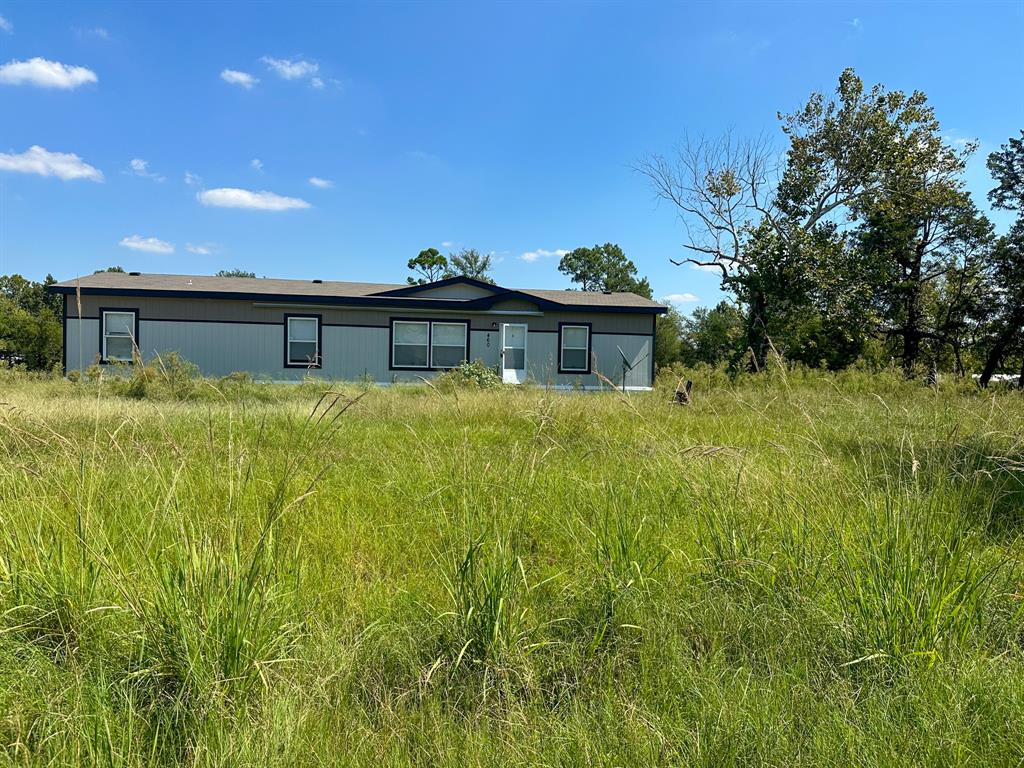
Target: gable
x=453 y=291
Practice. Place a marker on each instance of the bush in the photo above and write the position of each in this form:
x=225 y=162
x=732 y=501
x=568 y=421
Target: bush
x=473 y=375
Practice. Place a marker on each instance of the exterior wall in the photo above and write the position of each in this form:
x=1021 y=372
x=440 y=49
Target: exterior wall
x=222 y=337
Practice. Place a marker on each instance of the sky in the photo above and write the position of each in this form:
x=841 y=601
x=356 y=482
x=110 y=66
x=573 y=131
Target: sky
x=337 y=141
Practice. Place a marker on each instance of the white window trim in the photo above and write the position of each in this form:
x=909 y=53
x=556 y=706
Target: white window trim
x=465 y=341
x=134 y=315
x=304 y=363
x=562 y=347
x=394 y=325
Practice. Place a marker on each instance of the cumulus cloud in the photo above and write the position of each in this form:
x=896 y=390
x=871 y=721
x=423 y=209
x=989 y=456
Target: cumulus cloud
x=541 y=253
x=228 y=197
x=42 y=162
x=447 y=243
x=45 y=74
x=256 y=164
x=292 y=70
x=235 y=77
x=147 y=244
x=140 y=167
x=317 y=83
x=319 y=183
x=679 y=298
x=201 y=249
x=6 y=26
x=193 y=179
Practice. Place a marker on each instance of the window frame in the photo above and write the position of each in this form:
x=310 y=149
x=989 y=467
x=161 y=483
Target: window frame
x=104 y=311
x=319 y=340
x=429 y=322
x=561 y=348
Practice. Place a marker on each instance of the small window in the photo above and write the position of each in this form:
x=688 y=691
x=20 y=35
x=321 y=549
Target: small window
x=119 y=337
x=302 y=346
x=447 y=344
x=575 y=349
x=410 y=344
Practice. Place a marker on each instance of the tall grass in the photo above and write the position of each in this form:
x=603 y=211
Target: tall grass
x=795 y=569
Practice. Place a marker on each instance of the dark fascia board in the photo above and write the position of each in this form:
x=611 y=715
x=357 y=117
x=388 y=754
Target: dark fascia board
x=373 y=300
x=409 y=290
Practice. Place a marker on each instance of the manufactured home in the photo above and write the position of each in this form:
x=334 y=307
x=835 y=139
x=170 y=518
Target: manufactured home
x=289 y=329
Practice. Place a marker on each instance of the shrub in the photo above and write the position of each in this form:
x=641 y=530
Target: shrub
x=473 y=375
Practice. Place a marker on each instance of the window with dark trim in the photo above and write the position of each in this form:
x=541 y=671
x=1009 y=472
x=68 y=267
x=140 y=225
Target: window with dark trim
x=574 y=348
x=428 y=345
x=303 y=335
x=119 y=335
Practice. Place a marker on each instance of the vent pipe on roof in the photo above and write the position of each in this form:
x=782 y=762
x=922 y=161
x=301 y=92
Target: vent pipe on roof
x=607 y=293
x=134 y=274
x=317 y=280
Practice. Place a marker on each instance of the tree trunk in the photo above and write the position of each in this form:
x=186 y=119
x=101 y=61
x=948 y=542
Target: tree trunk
x=757 y=333
x=912 y=322
x=1013 y=327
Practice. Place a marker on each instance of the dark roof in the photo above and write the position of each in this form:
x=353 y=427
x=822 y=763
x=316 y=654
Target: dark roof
x=337 y=292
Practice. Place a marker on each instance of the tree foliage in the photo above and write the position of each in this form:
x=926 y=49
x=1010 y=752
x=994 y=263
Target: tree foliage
x=30 y=323
x=469 y=262
x=603 y=268
x=235 y=273
x=860 y=230
x=428 y=266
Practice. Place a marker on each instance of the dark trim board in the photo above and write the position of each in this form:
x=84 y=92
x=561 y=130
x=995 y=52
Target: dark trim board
x=654 y=344
x=430 y=341
x=64 y=337
x=590 y=349
x=135 y=340
x=319 y=340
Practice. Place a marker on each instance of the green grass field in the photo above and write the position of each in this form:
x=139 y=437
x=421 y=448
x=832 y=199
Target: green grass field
x=794 y=570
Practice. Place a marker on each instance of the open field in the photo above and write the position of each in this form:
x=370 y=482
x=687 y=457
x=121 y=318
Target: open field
x=792 y=571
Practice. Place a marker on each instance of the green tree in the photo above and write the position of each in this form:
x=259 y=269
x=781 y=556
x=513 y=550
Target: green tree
x=1005 y=329
x=109 y=269
x=781 y=246
x=429 y=265
x=30 y=325
x=469 y=262
x=603 y=268
x=713 y=335
x=668 y=338
x=235 y=273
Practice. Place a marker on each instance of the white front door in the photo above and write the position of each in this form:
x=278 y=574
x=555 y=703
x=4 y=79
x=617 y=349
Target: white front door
x=513 y=353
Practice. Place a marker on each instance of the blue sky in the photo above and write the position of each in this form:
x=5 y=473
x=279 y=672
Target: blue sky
x=510 y=128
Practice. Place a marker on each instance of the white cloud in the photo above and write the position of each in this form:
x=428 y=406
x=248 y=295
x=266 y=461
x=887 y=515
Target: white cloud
x=45 y=74
x=317 y=83
x=319 y=183
x=228 y=197
x=679 y=298
x=193 y=179
x=35 y=159
x=98 y=32
x=447 y=243
x=292 y=70
x=236 y=77
x=140 y=167
x=6 y=26
x=147 y=244
x=855 y=23
x=540 y=253
x=256 y=164
x=201 y=249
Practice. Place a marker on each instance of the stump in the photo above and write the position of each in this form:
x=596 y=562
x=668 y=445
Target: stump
x=682 y=394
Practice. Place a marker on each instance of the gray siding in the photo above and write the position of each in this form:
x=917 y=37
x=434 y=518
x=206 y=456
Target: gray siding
x=222 y=337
